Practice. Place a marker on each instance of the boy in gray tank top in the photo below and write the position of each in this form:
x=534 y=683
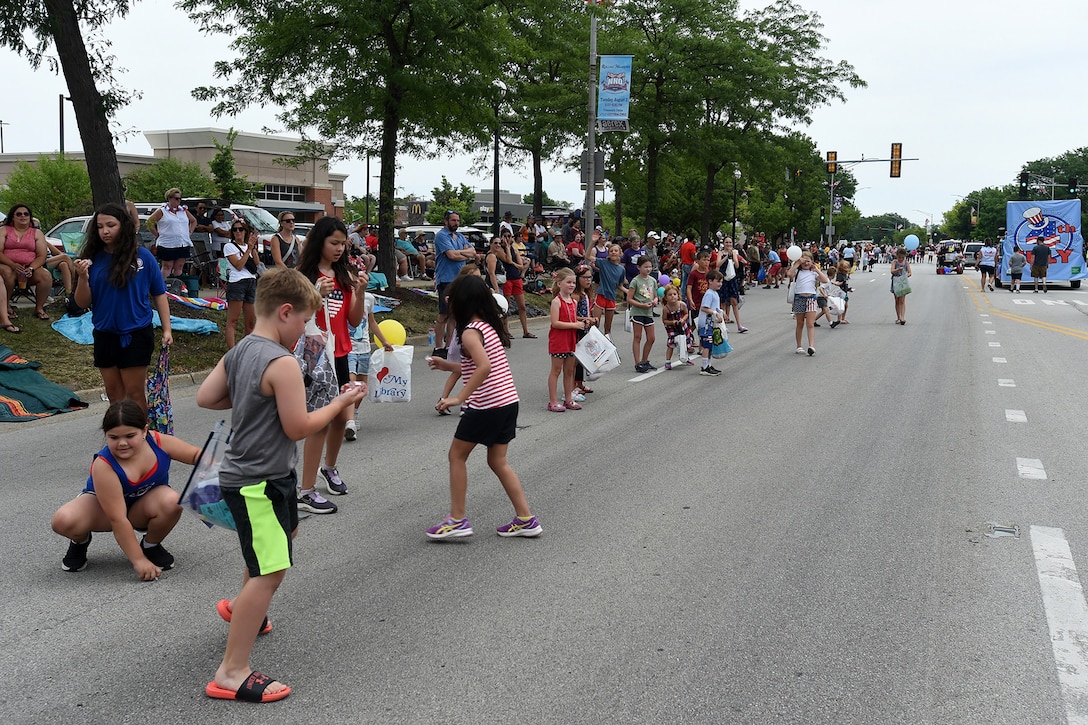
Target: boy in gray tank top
x=261 y=380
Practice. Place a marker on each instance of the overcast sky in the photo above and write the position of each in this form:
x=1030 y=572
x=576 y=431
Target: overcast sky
x=957 y=82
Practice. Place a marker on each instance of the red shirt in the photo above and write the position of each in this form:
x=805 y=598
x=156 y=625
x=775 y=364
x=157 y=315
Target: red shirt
x=338 y=302
x=697 y=287
x=372 y=242
x=575 y=249
x=687 y=252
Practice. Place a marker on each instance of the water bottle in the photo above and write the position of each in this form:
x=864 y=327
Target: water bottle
x=430 y=337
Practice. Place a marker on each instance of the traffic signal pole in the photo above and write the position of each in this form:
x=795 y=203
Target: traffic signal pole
x=833 y=164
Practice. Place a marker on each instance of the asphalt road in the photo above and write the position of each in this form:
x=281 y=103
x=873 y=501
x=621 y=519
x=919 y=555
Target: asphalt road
x=802 y=540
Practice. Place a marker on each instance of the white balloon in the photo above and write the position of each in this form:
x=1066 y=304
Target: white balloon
x=503 y=304
x=794 y=253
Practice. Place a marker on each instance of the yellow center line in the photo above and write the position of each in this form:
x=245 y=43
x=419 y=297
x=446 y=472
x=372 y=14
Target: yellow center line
x=983 y=304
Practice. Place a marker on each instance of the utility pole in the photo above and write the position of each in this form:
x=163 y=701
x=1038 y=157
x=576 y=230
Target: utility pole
x=589 y=214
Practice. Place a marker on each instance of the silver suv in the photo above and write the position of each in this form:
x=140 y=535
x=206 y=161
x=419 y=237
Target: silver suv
x=970 y=254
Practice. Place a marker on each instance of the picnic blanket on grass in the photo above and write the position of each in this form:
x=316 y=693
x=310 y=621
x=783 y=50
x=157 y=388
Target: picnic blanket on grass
x=81 y=330
x=26 y=395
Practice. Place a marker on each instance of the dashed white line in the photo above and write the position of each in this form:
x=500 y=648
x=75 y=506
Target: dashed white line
x=1006 y=383
x=1000 y=360
x=1016 y=416
x=995 y=344
x=1030 y=468
x=1066 y=616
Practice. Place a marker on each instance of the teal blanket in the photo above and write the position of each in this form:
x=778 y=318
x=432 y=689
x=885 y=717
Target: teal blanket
x=26 y=395
x=79 y=329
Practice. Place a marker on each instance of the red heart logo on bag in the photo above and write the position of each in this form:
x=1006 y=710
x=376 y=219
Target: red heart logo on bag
x=382 y=373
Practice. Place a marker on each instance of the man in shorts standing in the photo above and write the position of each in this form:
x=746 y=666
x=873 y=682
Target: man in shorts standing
x=1040 y=260
x=451 y=251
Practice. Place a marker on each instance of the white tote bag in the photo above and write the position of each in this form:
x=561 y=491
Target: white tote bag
x=596 y=352
x=628 y=324
x=730 y=270
x=390 y=379
x=835 y=305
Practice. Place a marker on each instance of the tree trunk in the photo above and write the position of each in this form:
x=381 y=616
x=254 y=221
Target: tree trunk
x=387 y=260
x=708 y=200
x=538 y=181
x=90 y=112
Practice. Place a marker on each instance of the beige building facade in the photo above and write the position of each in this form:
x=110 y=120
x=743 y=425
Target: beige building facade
x=309 y=189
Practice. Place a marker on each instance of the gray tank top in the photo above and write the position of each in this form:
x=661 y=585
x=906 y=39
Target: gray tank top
x=258 y=450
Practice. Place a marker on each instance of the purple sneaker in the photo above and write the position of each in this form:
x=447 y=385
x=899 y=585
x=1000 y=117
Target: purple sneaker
x=450 y=527
x=521 y=527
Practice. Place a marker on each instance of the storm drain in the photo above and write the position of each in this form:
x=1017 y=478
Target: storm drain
x=997 y=531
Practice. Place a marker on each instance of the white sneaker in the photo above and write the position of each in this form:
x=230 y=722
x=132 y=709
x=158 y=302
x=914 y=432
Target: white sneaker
x=349 y=431
x=405 y=278
x=800 y=351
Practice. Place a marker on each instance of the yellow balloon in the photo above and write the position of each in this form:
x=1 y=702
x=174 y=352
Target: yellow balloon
x=392 y=331
x=676 y=281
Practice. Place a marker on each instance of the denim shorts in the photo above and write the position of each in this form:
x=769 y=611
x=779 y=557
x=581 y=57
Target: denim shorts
x=359 y=363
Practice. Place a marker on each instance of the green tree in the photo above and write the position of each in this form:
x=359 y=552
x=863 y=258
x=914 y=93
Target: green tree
x=32 y=27
x=365 y=76
x=360 y=207
x=232 y=188
x=461 y=199
x=545 y=200
x=149 y=183
x=55 y=188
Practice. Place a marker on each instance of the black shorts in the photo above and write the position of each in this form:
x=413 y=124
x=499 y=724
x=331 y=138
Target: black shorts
x=440 y=288
x=986 y=269
x=244 y=291
x=343 y=374
x=265 y=514
x=108 y=352
x=493 y=426
x=169 y=254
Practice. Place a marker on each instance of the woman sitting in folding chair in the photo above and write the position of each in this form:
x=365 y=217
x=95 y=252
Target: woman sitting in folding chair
x=23 y=250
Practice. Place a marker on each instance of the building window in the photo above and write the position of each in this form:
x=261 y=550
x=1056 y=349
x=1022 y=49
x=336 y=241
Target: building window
x=281 y=192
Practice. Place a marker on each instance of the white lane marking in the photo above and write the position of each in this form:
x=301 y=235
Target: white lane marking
x=1066 y=615
x=1030 y=468
x=983 y=315
x=991 y=332
x=1000 y=360
x=987 y=322
x=995 y=344
x=646 y=376
x=1055 y=303
x=1016 y=416
x=1006 y=383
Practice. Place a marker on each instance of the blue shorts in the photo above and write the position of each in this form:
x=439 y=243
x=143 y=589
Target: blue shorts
x=706 y=337
x=359 y=363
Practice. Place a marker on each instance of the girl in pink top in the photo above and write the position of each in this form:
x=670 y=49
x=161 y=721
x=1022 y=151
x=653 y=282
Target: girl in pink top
x=489 y=405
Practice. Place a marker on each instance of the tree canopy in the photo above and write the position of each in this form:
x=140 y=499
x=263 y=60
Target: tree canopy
x=55 y=188
x=149 y=183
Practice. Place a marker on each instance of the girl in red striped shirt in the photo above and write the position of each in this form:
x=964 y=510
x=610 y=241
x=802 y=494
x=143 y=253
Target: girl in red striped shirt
x=489 y=405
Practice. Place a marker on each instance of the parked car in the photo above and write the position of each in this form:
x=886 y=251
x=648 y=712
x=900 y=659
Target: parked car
x=478 y=237
x=970 y=254
x=69 y=234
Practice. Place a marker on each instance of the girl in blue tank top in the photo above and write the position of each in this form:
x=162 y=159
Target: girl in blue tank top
x=128 y=489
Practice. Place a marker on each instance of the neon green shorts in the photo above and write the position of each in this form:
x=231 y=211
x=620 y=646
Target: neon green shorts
x=266 y=514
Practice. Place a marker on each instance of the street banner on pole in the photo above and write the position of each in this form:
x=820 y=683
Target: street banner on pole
x=614 y=93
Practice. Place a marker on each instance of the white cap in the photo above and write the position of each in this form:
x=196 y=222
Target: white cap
x=652 y=235
x=719 y=234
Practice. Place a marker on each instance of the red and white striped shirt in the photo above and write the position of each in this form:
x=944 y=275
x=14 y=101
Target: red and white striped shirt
x=498 y=388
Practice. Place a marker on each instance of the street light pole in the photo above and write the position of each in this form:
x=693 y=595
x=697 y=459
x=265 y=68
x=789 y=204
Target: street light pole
x=736 y=178
x=590 y=214
x=2 y=124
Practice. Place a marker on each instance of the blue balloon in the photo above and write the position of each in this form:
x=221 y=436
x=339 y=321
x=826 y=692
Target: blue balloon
x=911 y=242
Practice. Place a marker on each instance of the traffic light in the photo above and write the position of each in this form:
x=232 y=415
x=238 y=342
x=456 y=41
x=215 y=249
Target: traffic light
x=1073 y=185
x=832 y=157
x=897 y=163
x=823 y=215
x=1023 y=185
